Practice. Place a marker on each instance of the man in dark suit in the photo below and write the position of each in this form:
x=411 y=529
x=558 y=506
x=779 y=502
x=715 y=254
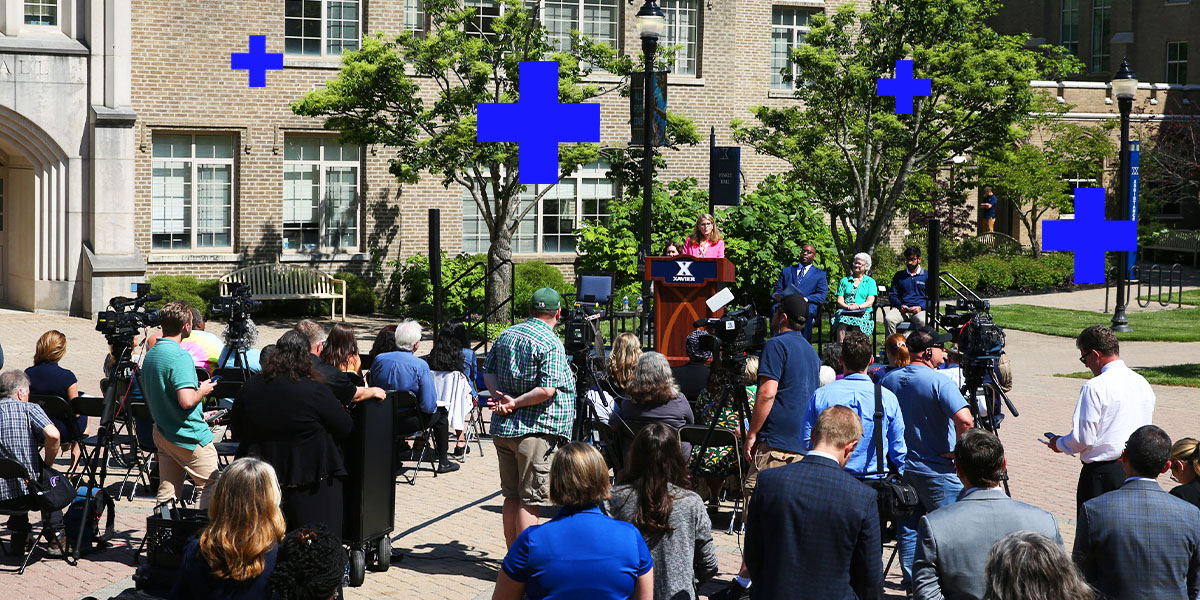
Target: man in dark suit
x=1137 y=541
x=954 y=540
x=813 y=532
x=806 y=280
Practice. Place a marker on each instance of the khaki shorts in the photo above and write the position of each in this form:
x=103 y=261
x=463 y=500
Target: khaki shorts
x=767 y=458
x=525 y=467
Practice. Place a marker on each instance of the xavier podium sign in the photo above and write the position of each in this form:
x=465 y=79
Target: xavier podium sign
x=681 y=285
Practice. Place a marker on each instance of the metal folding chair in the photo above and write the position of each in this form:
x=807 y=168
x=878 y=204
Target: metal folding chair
x=424 y=435
x=721 y=436
x=11 y=469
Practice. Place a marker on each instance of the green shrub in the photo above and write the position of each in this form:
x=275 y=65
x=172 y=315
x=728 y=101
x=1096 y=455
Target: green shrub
x=533 y=275
x=463 y=293
x=360 y=296
x=995 y=272
x=198 y=293
x=1061 y=264
x=1031 y=274
x=965 y=272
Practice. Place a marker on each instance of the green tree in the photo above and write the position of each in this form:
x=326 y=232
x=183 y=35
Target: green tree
x=1032 y=174
x=847 y=148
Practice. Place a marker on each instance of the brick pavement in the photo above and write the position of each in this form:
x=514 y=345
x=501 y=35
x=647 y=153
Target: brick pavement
x=449 y=529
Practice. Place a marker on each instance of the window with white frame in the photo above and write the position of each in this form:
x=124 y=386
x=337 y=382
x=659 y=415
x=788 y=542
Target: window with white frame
x=486 y=11
x=1068 y=29
x=683 y=29
x=320 y=195
x=1101 y=32
x=321 y=27
x=41 y=12
x=191 y=199
x=1177 y=62
x=596 y=19
x=788 y=28
x=550 y=227
x=415 y=19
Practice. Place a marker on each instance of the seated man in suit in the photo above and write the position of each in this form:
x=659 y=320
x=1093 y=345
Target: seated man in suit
x=1137 y=541
x=953 y=541
x=813 y=530
x=806 y=280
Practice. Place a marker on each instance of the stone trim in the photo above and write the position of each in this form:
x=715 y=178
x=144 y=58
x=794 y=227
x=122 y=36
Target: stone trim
x=310 y=257
x=104 y=116
x=43 y=44
x=192 y=257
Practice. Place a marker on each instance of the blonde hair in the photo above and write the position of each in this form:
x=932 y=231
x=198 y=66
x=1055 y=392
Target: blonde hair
x=897 y=345
x=697 y=235
x=652 y=381
x=50 y=347
x=1187 y=450
x=174 y=316
x=245 y=520
x=626 y=350
x=578 y=476
x=837 y=426
x=751 y=377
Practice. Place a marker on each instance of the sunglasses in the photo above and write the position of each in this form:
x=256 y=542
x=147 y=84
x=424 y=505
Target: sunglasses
x=1083 y=359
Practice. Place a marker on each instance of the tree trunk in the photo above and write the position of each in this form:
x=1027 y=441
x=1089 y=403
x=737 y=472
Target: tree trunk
x=499 y=281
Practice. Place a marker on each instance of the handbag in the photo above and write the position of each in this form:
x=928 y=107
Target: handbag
x=897 y=500
x=56 y=492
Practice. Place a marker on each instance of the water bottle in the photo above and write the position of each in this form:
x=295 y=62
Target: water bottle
x=625 y=303
x=639 y=303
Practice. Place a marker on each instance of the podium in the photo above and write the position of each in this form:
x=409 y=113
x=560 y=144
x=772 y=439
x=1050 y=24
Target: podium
x=681 y=285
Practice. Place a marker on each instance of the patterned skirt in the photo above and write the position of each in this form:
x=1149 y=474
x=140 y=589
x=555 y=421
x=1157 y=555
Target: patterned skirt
x=864 y=322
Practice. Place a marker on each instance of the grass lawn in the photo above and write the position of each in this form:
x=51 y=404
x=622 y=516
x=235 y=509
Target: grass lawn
x=1189 y=297
x=1187 y=375
x=1176 y=325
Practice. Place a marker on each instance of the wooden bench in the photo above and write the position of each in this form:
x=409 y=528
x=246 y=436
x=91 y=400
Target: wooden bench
x=276 y=281
x=999 y=241
x=1178 y=241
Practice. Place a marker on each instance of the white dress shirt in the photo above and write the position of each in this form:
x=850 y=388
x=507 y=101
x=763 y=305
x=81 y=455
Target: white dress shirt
x=1111 y=406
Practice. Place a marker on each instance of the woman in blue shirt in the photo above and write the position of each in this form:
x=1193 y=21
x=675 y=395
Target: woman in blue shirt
x=47 y=377
x=856 y=298
x=581 y=553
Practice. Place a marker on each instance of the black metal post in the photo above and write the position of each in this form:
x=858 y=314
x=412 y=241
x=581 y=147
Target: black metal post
x=933 y=285
x=435 y=265
x=1119 y=321
x=649 y=46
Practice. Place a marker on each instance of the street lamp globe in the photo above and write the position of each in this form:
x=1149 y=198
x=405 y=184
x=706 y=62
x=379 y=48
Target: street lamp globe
x=650 y=21
x=1124 y=84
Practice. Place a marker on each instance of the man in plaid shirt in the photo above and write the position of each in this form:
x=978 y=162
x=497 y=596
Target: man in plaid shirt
x=21 y=424
x=534 y=409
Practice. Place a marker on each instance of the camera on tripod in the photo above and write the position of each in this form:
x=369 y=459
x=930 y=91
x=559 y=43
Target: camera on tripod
x=734 y=334
x=237 y=306
x=975 y=333
x=128 y=315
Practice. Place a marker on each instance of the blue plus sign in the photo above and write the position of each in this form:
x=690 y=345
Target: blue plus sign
x=257 y=61
x=538 y=122
x=904 y=87
x=1089 y=235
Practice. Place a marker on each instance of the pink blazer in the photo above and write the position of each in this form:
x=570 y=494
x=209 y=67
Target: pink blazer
x=716 y=250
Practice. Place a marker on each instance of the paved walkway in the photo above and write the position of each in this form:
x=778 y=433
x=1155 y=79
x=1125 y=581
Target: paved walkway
x=448 y=528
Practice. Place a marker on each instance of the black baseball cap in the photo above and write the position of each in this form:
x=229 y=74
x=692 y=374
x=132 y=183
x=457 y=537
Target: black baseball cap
x=795 y=307
x=925 y=338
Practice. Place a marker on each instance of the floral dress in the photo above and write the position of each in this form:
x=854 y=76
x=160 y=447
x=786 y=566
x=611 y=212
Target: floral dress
x=857 y=294
x=719 y=460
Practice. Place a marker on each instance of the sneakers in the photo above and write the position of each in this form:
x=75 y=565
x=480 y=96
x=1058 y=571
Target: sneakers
x=447 y=467
x=461 y=451
x=733 y=591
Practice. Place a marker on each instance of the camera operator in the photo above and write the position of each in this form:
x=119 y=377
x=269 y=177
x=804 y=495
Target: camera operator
x=184 y=441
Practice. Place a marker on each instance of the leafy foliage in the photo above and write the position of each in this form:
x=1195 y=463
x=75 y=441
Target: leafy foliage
x=360 y=296
x=197 y=292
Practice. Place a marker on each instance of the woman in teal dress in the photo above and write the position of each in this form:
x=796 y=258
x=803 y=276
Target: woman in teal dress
x=855 y=298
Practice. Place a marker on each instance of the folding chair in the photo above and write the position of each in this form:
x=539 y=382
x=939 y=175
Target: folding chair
x=625 y=430
x=721 y=436
x=11 y=469
x=122 y=444
x=424 y=435
x=59 y=409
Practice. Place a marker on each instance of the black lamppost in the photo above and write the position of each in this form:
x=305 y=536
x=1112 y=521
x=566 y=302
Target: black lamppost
x=650 y=24
x=1124 y=86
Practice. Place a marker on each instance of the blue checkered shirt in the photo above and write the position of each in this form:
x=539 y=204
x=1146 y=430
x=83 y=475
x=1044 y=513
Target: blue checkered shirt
x=526 y=356
x=21 y=425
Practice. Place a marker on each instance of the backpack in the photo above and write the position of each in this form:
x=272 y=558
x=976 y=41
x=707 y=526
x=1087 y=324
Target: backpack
x=84 y=515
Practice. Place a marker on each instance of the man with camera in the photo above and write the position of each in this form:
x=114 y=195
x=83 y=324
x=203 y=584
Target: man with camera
x=175 y=398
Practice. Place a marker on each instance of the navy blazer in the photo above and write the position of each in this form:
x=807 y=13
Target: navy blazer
x=814 y=534
x=814 y=286
x=1138 y=542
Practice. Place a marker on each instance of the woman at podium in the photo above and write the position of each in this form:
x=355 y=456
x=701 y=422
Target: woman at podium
x=706 y=240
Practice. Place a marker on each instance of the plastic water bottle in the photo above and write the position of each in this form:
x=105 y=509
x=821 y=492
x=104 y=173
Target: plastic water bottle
x=625 y=303
x=639 y=303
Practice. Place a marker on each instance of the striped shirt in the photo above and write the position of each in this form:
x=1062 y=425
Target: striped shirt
x=526 y=356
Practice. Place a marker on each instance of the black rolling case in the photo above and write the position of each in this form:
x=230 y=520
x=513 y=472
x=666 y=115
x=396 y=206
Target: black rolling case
x=370 y=488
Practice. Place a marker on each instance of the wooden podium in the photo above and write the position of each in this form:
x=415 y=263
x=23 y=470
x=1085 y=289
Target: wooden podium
x=681 y=285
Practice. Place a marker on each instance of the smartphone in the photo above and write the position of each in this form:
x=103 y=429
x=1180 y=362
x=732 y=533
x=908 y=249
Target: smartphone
x=1044 y=441
x=215 y=378
x=1049 y=435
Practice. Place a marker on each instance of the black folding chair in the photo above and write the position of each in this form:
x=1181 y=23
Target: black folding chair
x=12 y=469
x=408 y=401
x=721 y=436
x=122 y=445
x=59 y=409
x=144 y=453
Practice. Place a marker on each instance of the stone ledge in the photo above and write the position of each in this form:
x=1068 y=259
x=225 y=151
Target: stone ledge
x=311 y=257
x=192 y=257
x=113 y=117
x=42 y=44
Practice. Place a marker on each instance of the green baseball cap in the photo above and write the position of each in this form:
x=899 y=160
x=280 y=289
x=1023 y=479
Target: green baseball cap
x=546 y=298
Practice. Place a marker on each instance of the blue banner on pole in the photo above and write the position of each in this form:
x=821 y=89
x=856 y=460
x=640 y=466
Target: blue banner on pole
x=1134 y=188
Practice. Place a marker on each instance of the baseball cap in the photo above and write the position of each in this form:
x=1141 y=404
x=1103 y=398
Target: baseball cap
x=925 y=338
x=795 y=307
x=546 y=299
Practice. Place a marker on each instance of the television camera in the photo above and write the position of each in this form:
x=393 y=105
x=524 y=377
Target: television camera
x=237 y=306
x=126 y=316
x=981 y=343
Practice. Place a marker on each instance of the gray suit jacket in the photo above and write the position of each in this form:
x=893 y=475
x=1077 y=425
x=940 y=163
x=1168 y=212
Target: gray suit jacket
x=954 y=540
x=1139 y=542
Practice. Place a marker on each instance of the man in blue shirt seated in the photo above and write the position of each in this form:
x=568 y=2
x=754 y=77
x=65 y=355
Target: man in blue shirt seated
x=907 y=294
x=401 y=370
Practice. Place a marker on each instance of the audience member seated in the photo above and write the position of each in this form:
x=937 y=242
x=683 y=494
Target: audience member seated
x=706 y=240
x=855 y=299
x=1137 y=541
x=343 y=388
x=204 y=347
x=907 y=294
x=47 y=377
x=831 y=368
x=622 y=359
x=1026 y=565
x=454 y=391
x=1185 y=468
x=653 y=396
x=237 y=551
x=385 y=341
x=340 y=350
x=286 y=417
x=21 y=426
x=721 y=459
x=692 y=377
x=654 y=496
x=581 y=553
x=895 y=348
x=400 y=370
x=311 y=566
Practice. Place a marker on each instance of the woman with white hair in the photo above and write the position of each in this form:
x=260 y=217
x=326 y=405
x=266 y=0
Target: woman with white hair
x=855 y=299
x=654 y=396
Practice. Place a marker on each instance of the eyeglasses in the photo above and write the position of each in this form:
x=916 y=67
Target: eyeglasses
x=1083 y=359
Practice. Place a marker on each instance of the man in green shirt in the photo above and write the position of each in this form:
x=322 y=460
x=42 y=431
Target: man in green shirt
x=169 y=384
x=534 y=409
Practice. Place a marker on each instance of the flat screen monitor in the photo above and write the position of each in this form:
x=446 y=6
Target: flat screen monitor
x=595 y=288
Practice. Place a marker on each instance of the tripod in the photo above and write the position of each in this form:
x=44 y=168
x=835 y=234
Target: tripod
x=728 y=376
x=980 y=373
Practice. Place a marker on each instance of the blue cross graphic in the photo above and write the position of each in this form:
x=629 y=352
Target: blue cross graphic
x=538 y=122
x=1089 y=236
x=258 y=61
x=904 y=87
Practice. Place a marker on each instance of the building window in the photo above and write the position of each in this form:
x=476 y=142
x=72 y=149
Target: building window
x=1177 y=62
x=191 y=202
x=320 y=27
x=1101 y=34
x=486 y=11
x=683 y=29
x=788 y=28
x=596 y=19
x=320 y=195
x=549 y=228
x=1069 y=29
x=415 y=19
x=41 y=12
